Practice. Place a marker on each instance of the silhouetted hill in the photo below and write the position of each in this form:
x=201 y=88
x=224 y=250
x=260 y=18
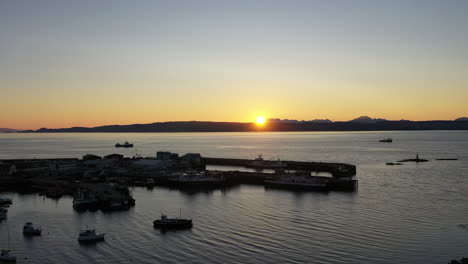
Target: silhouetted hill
x=8 y=130
x=195 y=126
x=462 y=119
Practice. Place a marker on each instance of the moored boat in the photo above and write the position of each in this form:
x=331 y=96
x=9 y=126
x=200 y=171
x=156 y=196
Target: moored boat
x=89 y=235
x=6 y=256
x=172 y=223
x=30 y=229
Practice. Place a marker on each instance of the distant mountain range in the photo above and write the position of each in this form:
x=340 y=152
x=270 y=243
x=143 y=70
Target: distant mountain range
x=363 y=123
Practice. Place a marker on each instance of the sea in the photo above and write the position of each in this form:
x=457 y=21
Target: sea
x=413 y=213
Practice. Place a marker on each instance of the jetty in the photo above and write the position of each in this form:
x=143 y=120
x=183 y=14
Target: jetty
x=417 y=160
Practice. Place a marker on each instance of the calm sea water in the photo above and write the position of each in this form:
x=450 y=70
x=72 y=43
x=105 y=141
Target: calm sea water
x=400 y=214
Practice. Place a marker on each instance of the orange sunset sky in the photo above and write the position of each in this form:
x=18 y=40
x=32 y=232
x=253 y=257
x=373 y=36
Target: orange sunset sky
x=91 y=63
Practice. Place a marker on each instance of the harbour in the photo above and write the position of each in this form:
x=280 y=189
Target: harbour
x=93 y=176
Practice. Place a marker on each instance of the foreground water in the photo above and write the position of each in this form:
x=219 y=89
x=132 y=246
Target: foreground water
x=401 y=214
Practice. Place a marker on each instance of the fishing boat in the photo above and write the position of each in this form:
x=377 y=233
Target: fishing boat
x=124 y=145
x=386 y=140
x=89 y=235
x=30 y=229
x=172 y=223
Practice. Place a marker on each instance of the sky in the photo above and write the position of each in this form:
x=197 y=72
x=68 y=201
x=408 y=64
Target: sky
x=88 y=63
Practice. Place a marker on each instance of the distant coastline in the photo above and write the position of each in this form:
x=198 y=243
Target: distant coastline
x=273 y=125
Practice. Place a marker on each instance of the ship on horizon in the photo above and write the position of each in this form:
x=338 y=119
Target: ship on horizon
x=124 y=145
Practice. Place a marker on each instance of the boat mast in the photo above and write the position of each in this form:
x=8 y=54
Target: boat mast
x=8 y=231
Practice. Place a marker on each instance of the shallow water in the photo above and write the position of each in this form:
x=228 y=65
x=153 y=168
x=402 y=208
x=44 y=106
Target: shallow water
x=400 y=214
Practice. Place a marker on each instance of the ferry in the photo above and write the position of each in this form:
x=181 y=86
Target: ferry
x=300 y=182
x=124 y=145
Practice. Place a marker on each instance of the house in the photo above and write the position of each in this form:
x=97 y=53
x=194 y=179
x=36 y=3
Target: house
x=61 y=166
x=7 y=169
x=91 y=157
x=163 y=155
x=192 y=159
x=166 y=155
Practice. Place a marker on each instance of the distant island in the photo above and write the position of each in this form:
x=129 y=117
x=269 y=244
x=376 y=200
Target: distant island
x=362 y=123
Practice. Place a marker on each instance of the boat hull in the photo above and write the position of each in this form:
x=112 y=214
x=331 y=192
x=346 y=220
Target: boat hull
x=7 y=259
x=124 y=146
x=32 y=233
x=181 y=224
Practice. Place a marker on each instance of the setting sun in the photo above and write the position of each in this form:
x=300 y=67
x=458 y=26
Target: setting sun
x=260 y=120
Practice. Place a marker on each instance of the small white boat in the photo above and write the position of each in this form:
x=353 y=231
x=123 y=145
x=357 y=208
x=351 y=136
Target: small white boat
x=89 y=235
x=29 y=229
x=6 y=256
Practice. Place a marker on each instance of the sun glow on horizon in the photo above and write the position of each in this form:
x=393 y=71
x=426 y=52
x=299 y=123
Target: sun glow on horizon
x=260 y=120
